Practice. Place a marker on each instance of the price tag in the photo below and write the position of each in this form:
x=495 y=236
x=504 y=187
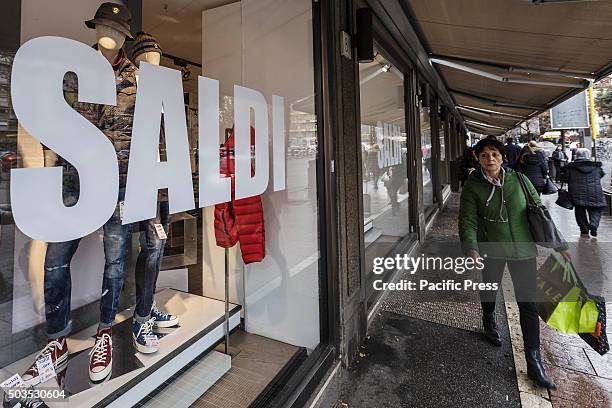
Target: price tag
x=45 y=368
x=121 y=203
x=161 y=233
x=151 y=340
x=14 y=382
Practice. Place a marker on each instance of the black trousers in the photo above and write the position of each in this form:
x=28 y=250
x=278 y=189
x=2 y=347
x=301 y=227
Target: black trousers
x=557 y=171
x=523 y=275
x=590 y=222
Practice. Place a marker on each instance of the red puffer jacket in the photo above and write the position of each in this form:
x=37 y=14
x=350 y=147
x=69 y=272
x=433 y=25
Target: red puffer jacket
x=240 y=220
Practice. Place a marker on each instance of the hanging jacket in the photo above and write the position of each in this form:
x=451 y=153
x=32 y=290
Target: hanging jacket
x=534 y=166
x=240 y=220
x=583 y=178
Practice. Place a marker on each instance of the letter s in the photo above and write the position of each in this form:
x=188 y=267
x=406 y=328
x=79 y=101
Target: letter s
x=38 y=101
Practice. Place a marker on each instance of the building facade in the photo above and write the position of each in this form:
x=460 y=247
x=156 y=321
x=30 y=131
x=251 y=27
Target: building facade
x=267 y=162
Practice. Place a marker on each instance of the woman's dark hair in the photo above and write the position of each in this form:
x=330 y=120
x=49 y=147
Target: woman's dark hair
x=490 y=143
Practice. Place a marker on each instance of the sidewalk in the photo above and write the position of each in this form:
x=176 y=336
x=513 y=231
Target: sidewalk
x=424 y=354
x=431 y=354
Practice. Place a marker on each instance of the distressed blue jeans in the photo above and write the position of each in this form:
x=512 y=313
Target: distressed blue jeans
x=58 y=282
x=149 y=261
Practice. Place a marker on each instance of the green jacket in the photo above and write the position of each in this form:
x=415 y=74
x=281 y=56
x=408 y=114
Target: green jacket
x=497 y=230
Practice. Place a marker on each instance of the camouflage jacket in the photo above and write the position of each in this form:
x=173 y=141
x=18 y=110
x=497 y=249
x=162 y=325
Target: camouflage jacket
x=114 y=121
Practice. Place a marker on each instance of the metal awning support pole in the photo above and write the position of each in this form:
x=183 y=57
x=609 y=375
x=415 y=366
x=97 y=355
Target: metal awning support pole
x=499 y=78
x=522 y=69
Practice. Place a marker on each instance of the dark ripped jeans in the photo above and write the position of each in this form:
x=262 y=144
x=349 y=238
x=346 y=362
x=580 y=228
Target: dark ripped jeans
x=149 y=261
x=58 y=283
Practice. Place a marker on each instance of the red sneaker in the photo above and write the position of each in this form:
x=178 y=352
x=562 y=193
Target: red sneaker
x=58 y=350
x=101 y=356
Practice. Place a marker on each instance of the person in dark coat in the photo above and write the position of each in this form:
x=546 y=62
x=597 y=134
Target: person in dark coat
x=512 y=153
x=469 y=163
x=583 y=178
x=560 y=159
x=373 y=168
x=532 y=164
x=574 y=150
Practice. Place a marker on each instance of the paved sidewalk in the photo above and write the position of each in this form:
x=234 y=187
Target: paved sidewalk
x=432 y=354
x=428 y=354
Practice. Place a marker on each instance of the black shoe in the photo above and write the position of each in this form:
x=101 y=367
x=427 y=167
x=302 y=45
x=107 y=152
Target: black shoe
x=593 y=232
x=490 y=329
x=535 y=370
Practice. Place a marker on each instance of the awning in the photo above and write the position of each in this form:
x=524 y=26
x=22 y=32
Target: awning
x=505 y=61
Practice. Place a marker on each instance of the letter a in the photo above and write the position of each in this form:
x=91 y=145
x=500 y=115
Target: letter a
x=158 y=87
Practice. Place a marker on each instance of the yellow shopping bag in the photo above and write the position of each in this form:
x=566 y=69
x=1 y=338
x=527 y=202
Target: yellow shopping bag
x=574 y=314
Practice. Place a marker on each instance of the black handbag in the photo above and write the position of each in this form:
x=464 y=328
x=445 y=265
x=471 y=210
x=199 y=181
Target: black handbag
x=543 y=228
x=549 y=187
x=564 y=200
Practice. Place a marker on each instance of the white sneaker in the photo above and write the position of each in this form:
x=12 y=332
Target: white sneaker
x=145 y=340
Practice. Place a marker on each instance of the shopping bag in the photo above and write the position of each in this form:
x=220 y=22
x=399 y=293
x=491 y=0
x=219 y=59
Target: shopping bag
x=598 y=340
x=574 y=314
x=564 y=303
x=563 y=199
x=549 y=187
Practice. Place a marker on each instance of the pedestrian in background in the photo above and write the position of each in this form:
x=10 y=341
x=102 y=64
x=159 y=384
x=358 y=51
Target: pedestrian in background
x=574 y=150
x=373 y=168
x=583 y=178
x=532 y=164
x=512 y=153
x=560 y=159
x=493 y=227
x=469 y=163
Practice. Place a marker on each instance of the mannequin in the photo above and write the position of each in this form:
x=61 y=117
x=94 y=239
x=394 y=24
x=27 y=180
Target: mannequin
x=112 y=26
x=110 y=41
x=150 y=57
x=152 y=243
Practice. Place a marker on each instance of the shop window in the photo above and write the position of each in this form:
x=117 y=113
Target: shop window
x=429 y=196
x=384 y=166
x=191 y=132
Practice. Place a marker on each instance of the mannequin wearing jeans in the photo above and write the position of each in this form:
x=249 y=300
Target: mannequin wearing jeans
x=147 y=315
x=112 y=26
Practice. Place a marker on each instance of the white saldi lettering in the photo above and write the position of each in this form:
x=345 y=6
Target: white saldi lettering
x=379 y=141
x=246 y=99
x=37 y=96
x=158 y=87
x=214 y=189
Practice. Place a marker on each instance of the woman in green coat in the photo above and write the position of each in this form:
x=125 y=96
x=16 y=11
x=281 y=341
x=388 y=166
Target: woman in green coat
x=493 y=226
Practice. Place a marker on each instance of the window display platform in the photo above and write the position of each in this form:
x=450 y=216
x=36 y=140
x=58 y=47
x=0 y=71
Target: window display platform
x=135 y=375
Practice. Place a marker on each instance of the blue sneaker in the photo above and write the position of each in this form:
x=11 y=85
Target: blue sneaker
x=145 y=340
x=163 y=319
